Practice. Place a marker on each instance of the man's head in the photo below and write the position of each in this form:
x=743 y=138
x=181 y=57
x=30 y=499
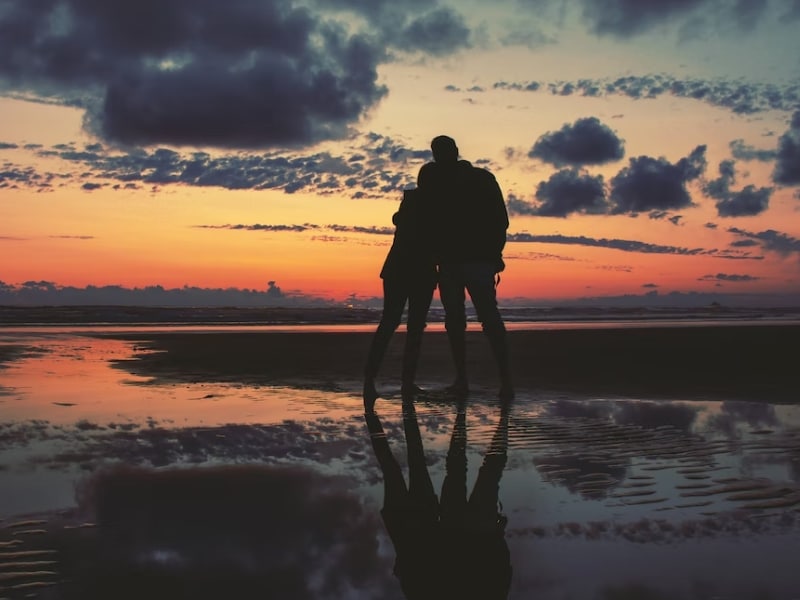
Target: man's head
x=444 y=149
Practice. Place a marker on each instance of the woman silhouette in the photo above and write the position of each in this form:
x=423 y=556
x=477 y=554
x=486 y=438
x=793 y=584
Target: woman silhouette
x=409 y=276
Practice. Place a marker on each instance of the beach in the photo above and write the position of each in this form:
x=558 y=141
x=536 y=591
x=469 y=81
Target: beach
x=637 y=461
x=721 y=362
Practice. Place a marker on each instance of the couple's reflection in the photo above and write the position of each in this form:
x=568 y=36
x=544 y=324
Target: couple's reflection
x=452 y=546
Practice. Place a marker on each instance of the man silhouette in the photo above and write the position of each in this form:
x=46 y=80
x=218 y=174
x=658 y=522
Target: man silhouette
x=468 y=222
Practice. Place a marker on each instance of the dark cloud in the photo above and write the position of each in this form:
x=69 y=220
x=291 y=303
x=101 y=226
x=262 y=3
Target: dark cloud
x=232 y=74
x=566 y=192
x=413 y=26
x=656 y=184
x=530 y=86
x=728 y=277
x=738 y=96
x=793 y=10
x=787 y=169
x=625 y=245
x=526 y=35
x=377 y=166
x=742 y=151
x=587 y=141
x=748 y=201
x=438 y=32
x=262 y=227
x=771 y=240
x=372 y=230
x=14 y=176
x=627 y=18
x=8 y=146
x=515 y=206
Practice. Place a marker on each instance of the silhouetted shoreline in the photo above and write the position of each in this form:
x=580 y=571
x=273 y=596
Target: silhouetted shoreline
x=281 y=315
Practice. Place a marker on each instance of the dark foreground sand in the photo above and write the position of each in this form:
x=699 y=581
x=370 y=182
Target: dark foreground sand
x=744 y=362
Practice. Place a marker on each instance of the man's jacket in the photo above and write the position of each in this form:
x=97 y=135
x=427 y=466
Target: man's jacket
x=467 y=215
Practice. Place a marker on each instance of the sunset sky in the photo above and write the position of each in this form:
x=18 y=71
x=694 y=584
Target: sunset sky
x=645 y=148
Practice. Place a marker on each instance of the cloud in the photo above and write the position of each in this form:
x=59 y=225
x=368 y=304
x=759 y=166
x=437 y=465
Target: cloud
x=438 y=32
x=748 y=201
x=262 y=227
x=656 y=184
x=376 y=166
x=528 y=35
x=232 y=74
x=625 y=18
x=15 y=176
x=770 y=240
x=737 y=96
x=693 y=18
x=413 y=26
x=728 y=277
x=626 y=245
x=567 y=192
x=371 y=230
x=743 y=151
x=787 y=168
x=587 y=141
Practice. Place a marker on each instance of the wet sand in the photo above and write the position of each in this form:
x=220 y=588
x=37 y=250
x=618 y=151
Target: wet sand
x=213 y=480
x=721 y=362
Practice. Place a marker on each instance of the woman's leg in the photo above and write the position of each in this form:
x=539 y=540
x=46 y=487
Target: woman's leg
x=395 y=295
x=419 y=301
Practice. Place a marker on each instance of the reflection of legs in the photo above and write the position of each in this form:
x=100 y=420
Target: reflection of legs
x=451 y=292
x=419 y=301
x=480 y=284
x=394 y=300
x=454 y=487
x=484 y=498
x=420 y=487
x=395 y=493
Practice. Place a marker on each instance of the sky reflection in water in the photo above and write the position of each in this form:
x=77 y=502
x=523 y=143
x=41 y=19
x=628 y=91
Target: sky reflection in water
x=603 y=498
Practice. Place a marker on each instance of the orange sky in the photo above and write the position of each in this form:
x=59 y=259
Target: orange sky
x=81 y=220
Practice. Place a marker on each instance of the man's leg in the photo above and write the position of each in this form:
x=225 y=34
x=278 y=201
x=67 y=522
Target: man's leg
x=479 y=277
x=422 y=497
x=451 y=293
x=453 y=504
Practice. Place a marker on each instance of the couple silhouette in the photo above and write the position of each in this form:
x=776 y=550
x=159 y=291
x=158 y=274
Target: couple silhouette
x=451 y=546
x=450 y=232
